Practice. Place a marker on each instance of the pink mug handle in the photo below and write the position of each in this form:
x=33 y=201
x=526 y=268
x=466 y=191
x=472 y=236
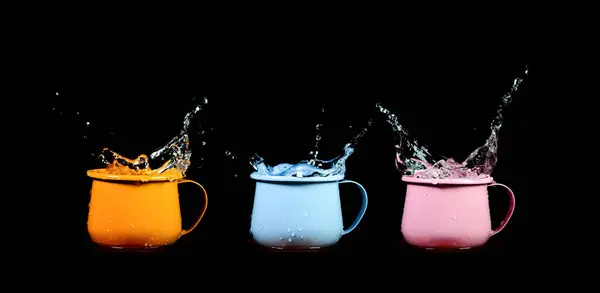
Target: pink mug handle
x=511 y=208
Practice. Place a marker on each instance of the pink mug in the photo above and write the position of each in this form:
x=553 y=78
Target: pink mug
x=449 y=213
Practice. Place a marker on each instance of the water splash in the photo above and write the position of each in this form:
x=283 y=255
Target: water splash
x=177 y=153
x=335 y=166
x=173 y=157
x=313 y=167
x=410 y=154
x=483 y=159
x=414 y=159
x=315 y=153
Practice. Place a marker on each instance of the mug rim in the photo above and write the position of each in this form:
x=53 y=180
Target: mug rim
x=415 y=180
x=259 y=177
x=100 y=174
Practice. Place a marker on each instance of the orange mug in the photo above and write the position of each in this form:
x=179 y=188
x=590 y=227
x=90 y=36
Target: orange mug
x=136 y=211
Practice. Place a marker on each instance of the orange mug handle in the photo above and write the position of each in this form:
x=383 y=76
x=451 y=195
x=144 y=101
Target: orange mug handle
x=183 y=232
x=511 y=208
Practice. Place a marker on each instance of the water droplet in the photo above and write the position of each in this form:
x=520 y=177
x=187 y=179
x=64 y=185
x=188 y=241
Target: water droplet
x=57 y=94
x=305 y=215
x=290 y=239
x=301 y=237
x=262 y=226
x=87 y=123
x=280 y=238
x=145 y=244
x=298 y=224
x=453 y=217
x=300 y=229
x=293 y=234
x=289 y=229
x=309 y=202
x=77 y=113
x=458 y=207
x=281 y=210
x=350 y=126
x=131 y=226
x=107 y=230
x=425 y=194
x=441 y=222
x=469 y=237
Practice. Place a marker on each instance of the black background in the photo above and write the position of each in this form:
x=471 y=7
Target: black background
x=266 y=86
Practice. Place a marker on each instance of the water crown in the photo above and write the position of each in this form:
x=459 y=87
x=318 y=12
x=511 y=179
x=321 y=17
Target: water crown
x=174 y=157
x=412 y=158
x=314 y=167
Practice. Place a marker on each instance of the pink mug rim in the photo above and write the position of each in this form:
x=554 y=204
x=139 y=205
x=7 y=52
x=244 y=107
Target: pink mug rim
x=415 y=180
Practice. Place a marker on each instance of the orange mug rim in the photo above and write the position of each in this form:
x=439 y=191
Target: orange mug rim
x=414 y=180
x=100 y=174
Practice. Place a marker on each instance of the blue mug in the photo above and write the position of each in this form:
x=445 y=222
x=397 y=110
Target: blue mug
x=300 y=213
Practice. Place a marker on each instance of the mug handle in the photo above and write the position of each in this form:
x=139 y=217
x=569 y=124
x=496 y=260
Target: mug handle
x=511 y=208
x=183 y=232
x=363 y=208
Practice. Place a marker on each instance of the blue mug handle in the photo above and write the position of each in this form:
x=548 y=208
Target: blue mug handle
x=363 y=208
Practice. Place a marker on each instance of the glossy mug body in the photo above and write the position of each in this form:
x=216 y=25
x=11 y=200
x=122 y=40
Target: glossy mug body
x=134 y=212
x=449 y=214
x=300 y=213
